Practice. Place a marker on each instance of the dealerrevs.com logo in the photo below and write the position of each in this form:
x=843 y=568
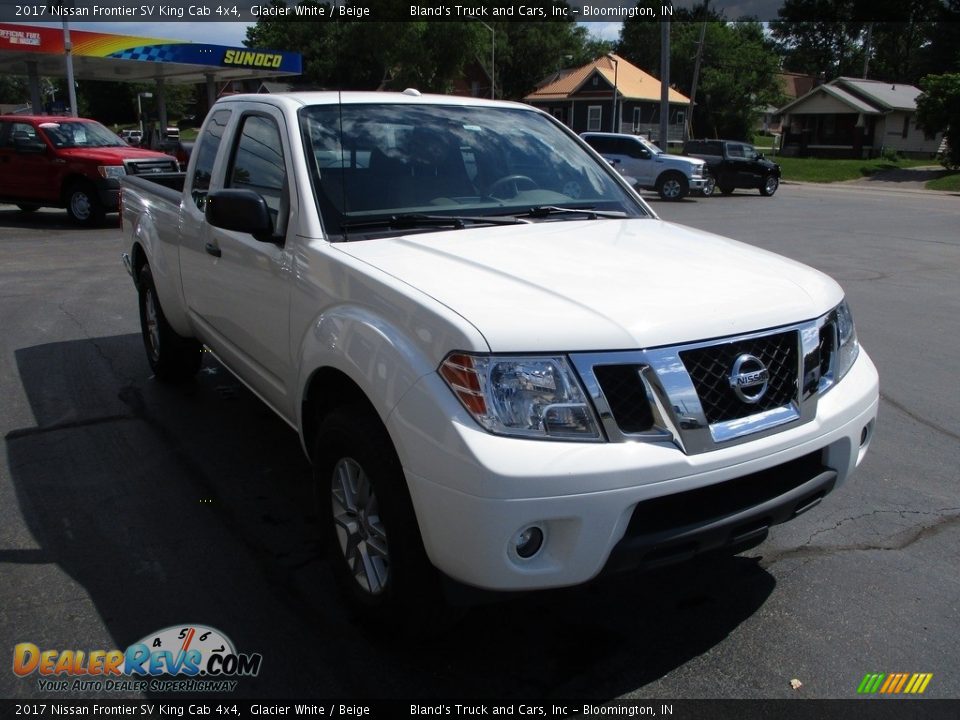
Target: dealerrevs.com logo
x=180 y=658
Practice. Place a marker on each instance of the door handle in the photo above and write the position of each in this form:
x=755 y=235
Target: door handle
x=212 y=249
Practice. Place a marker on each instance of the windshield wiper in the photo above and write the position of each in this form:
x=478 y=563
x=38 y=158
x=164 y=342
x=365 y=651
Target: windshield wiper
x=416 y=220
x=588 y=213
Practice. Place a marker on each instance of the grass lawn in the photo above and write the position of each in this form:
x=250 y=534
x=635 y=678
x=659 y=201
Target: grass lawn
x=949 y=182
x=829 y=170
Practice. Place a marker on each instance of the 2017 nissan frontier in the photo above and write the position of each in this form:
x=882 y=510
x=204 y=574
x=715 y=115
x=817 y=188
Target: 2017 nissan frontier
x=474 y=323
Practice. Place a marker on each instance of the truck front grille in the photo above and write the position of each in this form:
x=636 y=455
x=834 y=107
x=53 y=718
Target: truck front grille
x=710 y=369
x=153 y=165
x=626 y=396
x=706 y=395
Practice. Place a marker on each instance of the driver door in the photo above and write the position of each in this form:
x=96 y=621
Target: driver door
x=238 y=285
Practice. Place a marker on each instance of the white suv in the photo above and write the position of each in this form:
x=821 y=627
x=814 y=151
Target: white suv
x=672 y=176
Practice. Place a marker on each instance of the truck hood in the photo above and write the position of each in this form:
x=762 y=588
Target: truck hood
x=601 y=284
x=682 y=159
x=109 y=155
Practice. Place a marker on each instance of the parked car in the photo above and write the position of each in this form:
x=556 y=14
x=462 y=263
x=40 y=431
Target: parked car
x=132 y=137
x=474 y=324
x=672 y=176
x=73 y=163
x=180 y=149
x=734 y=164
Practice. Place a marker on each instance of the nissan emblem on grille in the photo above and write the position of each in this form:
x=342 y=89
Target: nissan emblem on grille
x=749 y=378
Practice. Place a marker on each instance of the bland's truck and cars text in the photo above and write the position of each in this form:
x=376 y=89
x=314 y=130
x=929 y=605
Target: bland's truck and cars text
x=506 y=370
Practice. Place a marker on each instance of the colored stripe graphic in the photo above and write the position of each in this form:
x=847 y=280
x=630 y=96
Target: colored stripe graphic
x=894 y=683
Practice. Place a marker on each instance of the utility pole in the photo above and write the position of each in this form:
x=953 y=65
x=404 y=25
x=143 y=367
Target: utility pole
x=688 y=125
x=664 y=83
x=866 y=50
x=68 y=52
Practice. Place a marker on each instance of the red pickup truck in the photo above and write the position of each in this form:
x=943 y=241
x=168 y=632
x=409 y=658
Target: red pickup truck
x=48 y=161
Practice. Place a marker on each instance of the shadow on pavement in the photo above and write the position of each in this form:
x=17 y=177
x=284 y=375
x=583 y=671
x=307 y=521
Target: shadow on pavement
x=193 y=505
x=49 y=219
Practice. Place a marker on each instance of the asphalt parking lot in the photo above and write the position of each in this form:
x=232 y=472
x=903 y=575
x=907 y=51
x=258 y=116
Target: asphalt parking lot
x=127 y=506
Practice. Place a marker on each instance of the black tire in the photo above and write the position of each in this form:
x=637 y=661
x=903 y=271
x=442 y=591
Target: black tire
x=770 y=185
x=672 y=186
x=172 y=358
x=375 y=550
x=28 y=207
x=710 y=187
x=83 y=204
x=725 y=188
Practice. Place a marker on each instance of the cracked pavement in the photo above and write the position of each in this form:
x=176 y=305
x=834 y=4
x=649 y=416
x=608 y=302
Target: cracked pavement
x=126 y=507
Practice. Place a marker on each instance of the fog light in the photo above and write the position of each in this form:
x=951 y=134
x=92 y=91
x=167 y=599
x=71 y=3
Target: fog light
x=528 y=541
x=866 y=433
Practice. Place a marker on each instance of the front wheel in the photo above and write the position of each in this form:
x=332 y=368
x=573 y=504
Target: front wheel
x=172 y=358
x=770 y=185
x=672 y=186
x=710 y=187
x=377 y=555
x=83 y=205
x=28 y=207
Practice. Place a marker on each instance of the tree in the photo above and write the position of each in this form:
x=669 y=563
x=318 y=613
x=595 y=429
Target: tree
x=13 y=90
x=529 y=51
x=820 y=37
x=427 y=55
x=737 y=72
x=374 y=55
x=938 y=110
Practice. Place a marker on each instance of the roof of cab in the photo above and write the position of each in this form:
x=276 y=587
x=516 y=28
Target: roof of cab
x=333 y=97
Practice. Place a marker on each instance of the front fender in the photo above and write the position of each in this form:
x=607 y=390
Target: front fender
x=378 y=356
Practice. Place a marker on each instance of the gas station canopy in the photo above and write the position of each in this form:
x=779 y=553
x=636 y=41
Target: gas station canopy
x=28 y=49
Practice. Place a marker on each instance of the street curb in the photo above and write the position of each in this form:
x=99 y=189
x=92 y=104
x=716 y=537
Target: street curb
x=877 y=185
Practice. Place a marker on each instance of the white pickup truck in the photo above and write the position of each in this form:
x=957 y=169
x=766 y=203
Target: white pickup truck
x=478 y=329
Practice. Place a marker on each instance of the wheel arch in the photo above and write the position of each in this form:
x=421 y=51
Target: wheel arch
x=328 y=388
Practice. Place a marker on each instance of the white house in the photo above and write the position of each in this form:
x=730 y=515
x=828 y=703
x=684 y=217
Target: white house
x=850 y=117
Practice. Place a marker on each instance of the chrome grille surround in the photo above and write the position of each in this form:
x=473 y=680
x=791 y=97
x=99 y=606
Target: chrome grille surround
x=678 y=413
x=146 y=166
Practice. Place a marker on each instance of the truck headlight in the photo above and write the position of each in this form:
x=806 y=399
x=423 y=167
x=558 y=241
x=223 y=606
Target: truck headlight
x=111 y=172
x=534 y=397
x=847 y=345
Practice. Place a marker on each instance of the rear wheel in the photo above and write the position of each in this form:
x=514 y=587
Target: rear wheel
x=83 y=204
x=672 y=186
x=376 y=552
x=172 y=358
x=770 y=185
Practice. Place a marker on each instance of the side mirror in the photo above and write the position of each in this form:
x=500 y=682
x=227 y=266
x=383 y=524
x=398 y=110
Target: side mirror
x=760 y=156
x=240 y=210
x=29 y=146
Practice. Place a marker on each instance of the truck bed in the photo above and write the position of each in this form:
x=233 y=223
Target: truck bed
x=168 y=186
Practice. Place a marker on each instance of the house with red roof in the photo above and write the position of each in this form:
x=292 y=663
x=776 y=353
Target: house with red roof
x=610 y=94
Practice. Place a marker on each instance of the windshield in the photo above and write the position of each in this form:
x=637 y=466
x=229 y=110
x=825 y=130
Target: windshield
x=80 y=135
x=376 y=161
x=649 y=145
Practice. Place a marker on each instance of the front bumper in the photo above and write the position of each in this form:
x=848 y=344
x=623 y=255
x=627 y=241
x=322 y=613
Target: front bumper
x=108 y=190
x=474 y=492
